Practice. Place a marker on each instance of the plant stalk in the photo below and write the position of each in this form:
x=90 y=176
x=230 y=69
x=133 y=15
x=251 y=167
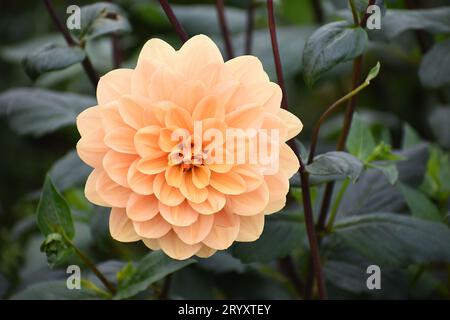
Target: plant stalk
x=224 y=29
x=86 y=63
x=173 y=20
x=304 y=178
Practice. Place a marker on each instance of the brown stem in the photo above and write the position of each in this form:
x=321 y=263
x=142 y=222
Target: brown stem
x=93 y=268
x=288 y=268
x=309 y=219
x=224 y=28
x=173 y=20
x=276 y=52
x=164 y=294
x=117 y=54
x=86 y=63
x=328 y=193
x=318 y=11
x=249 y=28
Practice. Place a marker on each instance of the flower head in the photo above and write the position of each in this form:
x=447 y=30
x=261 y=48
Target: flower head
x=159 y=143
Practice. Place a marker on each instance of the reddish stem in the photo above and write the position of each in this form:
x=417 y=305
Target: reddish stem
x=249 y=28
x=173 y=20
x=224 y=28
x=309 y=219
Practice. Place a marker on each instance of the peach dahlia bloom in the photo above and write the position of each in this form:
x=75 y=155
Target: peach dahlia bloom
x=183 y=208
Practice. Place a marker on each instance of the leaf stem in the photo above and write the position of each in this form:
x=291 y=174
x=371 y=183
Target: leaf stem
x=86 y=63
x=354 y=12
x=304 y=178
x=331 y=109
x=173 y=20
x=249 y=28
x=90 y=265
x=337 y=203
x=224 y=29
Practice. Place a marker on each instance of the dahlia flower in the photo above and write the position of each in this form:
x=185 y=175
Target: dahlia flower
x=176 y=194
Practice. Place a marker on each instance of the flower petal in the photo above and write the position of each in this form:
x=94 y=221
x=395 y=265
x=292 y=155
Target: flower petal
x=205 y=252
x=200 y=176
x=132 y=108
x=214 y=203
x=153 y=228
x=228 y=183
x=182 y=215
x=120 y=227
x=91 y=148
x=151 y=165
x=247 y=69
x=151 y=244
x=88 y=120
x=139 y=182
x=177 y=117
x=90 y=190
x=250 y=228
x=190 y=191
x=177 y=249
x=174 y=176
x=146 y=141
x=246 y=117
x=288 y=160
x=168 y=195
x=293 y=124
x=249 y=203
x=113 y=85
x=142 y=208
x=251 y=174
x=111 y=192
x=197 y=231
x=117 y=165
x=195 y=53
x=209 y=107
x=121 y=140
x=224 y=231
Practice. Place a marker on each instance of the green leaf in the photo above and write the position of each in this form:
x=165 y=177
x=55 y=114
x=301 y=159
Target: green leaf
x=390 y=239
x=222 y=262
x=419 y=204
x=373 y=73
x=53 y=213
x=193 y=284
x=54 y=290
x=360 y=141
x=100 y=19
x=374 y=193
x=439 y=122
x=330 y=45
x=389 y=170
x=433 y=20
x=434 y=71
x=153 y=267
x=280 y=238
x=50 y=58
x=336 y=165
x=39 y=111
x=69 y=171
x=410 y=136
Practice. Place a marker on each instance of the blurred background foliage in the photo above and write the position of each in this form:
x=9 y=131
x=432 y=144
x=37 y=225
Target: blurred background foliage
x=398 y=109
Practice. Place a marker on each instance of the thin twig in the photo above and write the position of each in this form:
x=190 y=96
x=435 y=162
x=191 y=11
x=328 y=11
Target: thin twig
x=117 y=54
x=224 y=29
x=276 y=52
x=249 y=28
x=86 y=63
x=309 y=219
x=173 y=20
x=92 y=266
